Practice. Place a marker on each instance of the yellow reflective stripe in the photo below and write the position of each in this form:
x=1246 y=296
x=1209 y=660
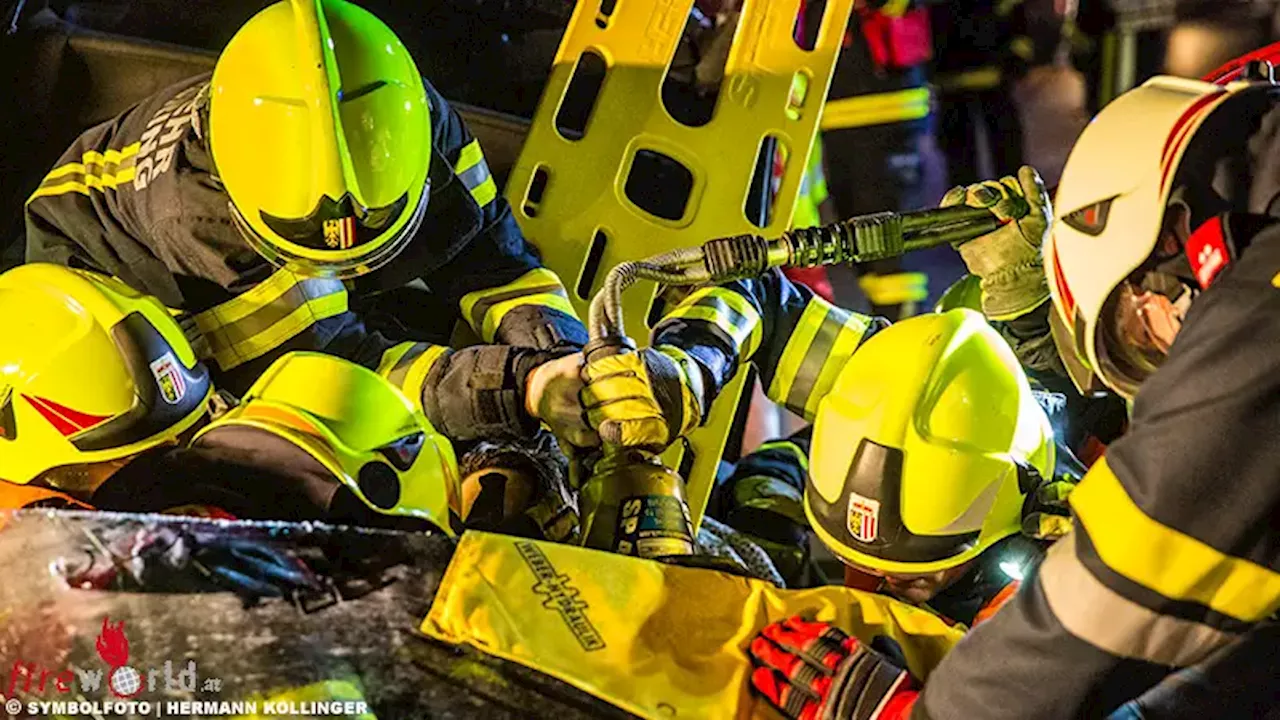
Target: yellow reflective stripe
x=852 y=330
x=983 y=78
x=1171 y=563
x=484 y=309
x=485 y=192
x=876 y=109
x=821 y=343
x=896 y=288
x=265 y=316
x=728 y=311
x=794 y=351
x=1100 y=616
x=468 y=157
x=95 y=170
x=406 y=366
x=494 y=317
x=473 y=171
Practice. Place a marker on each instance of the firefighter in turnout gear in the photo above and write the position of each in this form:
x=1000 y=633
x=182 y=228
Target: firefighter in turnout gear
x=965 y=463
x=1162 y=262
x=104 y=405
x=927 y=457
x=282 y=203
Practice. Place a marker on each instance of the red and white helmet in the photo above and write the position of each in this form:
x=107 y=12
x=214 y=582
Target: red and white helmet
x=1110 y=214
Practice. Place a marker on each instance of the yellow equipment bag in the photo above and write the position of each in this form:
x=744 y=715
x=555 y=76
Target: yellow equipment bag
x=578 y=195
x=657 y=640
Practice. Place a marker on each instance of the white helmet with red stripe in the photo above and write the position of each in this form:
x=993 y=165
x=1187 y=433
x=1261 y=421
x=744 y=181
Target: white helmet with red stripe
x=1110 y=214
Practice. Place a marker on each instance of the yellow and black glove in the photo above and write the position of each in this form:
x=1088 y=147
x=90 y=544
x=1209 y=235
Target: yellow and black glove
x=644 y=399
x=1045 y=513
x=1008 y=260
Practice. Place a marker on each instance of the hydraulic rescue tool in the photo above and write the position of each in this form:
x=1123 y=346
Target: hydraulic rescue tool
x=631 y=502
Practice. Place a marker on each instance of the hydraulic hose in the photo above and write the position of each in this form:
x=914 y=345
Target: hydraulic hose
x=857 y=240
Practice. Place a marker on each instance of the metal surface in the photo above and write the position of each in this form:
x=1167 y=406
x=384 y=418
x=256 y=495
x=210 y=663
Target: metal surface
x=48 y=628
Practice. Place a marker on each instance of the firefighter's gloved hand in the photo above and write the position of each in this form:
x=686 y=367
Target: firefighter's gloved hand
x=1008 y=260
x=644 y=399
x=814 y=671
x=552 y=395
x=1045 y=513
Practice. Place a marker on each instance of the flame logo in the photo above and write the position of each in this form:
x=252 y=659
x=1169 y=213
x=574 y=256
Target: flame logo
x=112 y=645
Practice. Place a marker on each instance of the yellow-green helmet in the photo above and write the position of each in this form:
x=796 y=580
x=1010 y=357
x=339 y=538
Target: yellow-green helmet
x=90 y=371
x=963 y=293
x=320 y=131
x=359 y=427
x=919 y=449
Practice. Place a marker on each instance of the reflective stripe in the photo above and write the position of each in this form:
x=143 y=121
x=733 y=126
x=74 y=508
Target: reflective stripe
x=983 y=78
x=728 y=311
x=406 y=366
x=895 y=289
x=484 y=309
x=1111 y=622
x=1165 y=560
x=473 y=171
x=95 y=170
x=876 y=109
x=822 y=342
x=266 y=316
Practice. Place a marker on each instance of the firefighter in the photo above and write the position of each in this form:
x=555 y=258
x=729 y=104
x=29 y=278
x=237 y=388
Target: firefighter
x=1160 y=261
x=291 y=198
x=981 y=467
x=104 y=405
x=1162 y=265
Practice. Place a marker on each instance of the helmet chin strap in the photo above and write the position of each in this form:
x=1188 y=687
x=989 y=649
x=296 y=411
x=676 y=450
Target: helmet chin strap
x=1192 y=212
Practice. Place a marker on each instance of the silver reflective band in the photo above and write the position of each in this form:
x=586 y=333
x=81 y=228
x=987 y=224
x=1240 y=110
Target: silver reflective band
x=1103 y=618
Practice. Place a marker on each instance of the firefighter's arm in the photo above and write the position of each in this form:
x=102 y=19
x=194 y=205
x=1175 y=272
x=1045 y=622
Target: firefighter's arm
x=63 y=228
x=764 y=495
x=796 y=339
x=475 y=392
x=497 y=280
x=1173 y=555
x=1007 y=262
x=763 y=498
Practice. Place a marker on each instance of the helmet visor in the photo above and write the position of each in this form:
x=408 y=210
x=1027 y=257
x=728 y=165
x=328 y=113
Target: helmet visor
x=169 y=394
x=1078 y=369
x=1138 y=324
x=338 y=238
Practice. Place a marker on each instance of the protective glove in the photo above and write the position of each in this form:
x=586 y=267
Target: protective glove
x=1008 y=261
x=1045 y=513
x=814 y=671
x=552 y=395
x=644 y=399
